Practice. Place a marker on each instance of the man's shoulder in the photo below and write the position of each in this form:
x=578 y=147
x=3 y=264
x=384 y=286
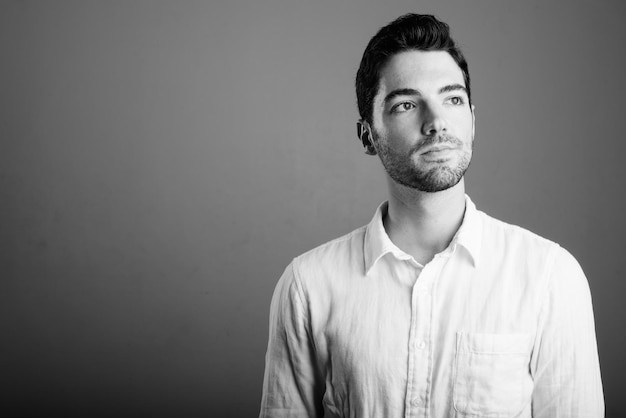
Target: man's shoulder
x=529 y=250
x=509 y=234
x=345 y=251
x=508 y=240
x=543 y=260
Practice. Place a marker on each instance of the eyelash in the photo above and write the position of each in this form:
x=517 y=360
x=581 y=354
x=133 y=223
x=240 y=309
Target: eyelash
x=459 y=98
x=399 y=108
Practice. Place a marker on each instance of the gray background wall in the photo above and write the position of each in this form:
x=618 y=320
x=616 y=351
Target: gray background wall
x=161 y=163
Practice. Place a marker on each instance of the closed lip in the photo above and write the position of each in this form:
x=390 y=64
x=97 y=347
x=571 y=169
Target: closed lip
x=437 y=148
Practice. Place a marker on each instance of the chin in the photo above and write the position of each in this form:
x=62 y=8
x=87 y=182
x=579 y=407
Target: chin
x=438 y=179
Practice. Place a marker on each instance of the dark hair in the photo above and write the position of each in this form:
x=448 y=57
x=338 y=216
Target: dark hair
x=406 y=33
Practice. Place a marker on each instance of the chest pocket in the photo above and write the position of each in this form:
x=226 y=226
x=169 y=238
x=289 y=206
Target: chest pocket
x=492 y=374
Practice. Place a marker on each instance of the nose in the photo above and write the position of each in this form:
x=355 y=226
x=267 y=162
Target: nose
x=433 y=120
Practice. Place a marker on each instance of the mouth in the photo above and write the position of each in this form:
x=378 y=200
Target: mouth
x=437 y=150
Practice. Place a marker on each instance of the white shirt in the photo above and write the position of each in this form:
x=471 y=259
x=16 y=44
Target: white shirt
x=499 y=324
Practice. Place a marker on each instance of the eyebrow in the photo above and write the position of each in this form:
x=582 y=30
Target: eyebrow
x=413 y=92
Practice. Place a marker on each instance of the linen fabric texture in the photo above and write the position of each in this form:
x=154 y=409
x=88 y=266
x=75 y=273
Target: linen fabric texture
x=499 y=324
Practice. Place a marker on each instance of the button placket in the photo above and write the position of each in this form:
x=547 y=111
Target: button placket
x=420 y=362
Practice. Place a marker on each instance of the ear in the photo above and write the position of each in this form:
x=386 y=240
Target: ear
x=473 y=121
x=364 y=132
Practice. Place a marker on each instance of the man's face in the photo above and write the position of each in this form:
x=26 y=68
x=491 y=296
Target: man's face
x=422 y=123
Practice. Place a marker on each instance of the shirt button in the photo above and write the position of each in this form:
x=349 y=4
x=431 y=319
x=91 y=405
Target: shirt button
x=421 y=345
x=416 y=402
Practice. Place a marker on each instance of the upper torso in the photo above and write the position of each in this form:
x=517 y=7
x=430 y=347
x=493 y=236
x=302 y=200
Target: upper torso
x=456 y=337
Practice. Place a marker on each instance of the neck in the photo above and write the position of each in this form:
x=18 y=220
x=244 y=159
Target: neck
x=423 y=224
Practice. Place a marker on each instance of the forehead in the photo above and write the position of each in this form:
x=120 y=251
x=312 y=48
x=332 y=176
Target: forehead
x=421 y=70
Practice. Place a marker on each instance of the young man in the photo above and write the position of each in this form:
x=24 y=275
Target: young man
x=433 y=309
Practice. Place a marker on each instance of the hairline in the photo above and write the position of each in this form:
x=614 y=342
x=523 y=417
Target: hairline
x=385 y=62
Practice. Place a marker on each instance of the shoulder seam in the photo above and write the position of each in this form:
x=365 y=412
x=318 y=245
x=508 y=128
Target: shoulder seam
x=300 y=293
x=344 y=237
x=297 y=280
x=518 y=228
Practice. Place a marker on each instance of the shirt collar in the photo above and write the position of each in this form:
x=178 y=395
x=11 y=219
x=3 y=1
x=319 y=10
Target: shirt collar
x=378 y=244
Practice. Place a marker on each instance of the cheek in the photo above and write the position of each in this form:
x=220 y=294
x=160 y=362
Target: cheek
x=404 y=131
x=465 y=127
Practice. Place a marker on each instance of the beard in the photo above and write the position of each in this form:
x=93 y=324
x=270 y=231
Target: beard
x=437 y=177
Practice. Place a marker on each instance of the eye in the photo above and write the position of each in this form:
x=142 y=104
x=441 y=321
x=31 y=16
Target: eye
x=402 y=107
x=456 y=100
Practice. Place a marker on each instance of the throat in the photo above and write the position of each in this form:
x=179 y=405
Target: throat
x=421 y=244
x=425 y=228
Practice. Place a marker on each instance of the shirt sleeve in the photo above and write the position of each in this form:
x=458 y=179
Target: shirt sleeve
x=292 y=386
x=565 y=365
